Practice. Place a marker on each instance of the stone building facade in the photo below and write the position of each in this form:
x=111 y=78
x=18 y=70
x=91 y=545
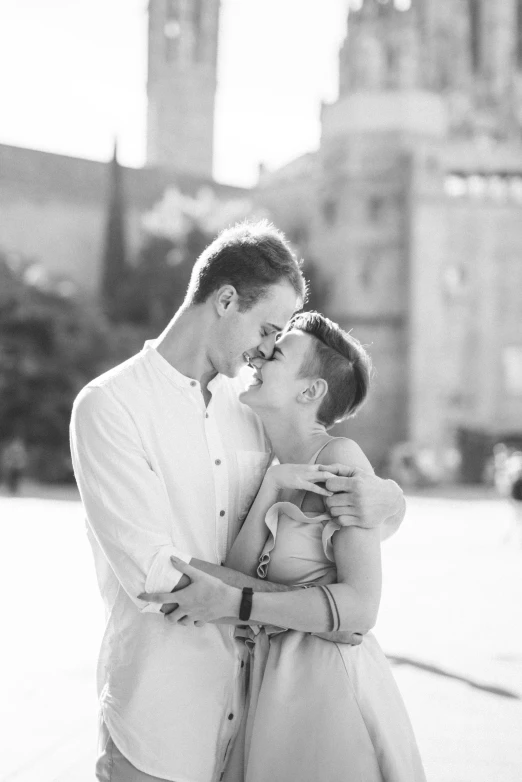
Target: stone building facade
x=413 y=208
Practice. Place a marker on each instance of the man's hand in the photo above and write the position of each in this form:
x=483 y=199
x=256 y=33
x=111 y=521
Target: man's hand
x=303 y=477
x=168 y=608
x=361 y=497
x=205 y=599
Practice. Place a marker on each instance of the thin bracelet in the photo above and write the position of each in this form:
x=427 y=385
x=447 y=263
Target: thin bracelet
x=336 y=619
x=338 y=623
x=330 y=609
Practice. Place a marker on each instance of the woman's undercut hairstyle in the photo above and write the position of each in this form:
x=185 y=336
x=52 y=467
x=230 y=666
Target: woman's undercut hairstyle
x=251 y=257
x=338 y=358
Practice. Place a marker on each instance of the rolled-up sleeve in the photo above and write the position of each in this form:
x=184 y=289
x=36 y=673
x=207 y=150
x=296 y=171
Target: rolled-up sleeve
x=125 y=502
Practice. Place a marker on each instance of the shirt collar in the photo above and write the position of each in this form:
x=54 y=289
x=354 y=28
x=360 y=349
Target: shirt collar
x=181 y=381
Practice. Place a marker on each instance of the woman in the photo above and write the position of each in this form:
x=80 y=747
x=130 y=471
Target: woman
x=318 y=711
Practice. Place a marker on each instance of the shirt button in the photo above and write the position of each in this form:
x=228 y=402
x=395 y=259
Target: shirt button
x=193 y=383
x=218 y=461
x=221 y=512
x=242 y=663
x=230 y=716
x=206 y=415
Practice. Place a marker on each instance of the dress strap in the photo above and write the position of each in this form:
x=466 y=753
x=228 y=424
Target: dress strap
x=316 y=454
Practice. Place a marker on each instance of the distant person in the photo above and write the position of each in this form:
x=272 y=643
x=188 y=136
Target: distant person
x=14 y=464
x=168 y=461
x=515 y=494
x=501 y=469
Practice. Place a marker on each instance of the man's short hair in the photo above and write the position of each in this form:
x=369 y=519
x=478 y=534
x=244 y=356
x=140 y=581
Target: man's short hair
x=251 y=257
x=338 y=358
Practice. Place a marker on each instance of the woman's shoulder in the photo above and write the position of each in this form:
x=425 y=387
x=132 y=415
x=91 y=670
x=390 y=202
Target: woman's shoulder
x=342 y=450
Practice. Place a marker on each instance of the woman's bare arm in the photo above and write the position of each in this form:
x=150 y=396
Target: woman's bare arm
x=357 y=593
x=355 y=598
x=358 y=561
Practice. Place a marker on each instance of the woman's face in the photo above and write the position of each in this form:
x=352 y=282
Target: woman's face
x=276 y=383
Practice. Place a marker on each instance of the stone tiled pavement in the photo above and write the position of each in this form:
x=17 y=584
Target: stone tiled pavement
x=449 y=621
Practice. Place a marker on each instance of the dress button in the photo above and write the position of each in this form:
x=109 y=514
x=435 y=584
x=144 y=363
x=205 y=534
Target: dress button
x=193 y=383
x=230 y=716
x=218 y=461
x=221 y=512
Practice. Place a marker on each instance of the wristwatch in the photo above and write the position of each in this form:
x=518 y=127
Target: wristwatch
x=245 y=607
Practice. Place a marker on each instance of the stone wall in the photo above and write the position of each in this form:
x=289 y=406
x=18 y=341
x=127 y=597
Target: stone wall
x=53 y=208
x=466 y=311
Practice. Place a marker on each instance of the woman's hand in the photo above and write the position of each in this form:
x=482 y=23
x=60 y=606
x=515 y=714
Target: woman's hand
x=205 y=599
x=304 y=477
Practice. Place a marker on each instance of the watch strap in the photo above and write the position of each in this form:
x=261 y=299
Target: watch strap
x=245 y=607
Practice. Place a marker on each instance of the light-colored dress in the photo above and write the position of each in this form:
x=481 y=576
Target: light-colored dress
x=319 y=711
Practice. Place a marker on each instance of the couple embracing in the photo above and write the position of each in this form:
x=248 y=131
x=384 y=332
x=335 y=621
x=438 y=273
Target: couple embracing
x=237 y=543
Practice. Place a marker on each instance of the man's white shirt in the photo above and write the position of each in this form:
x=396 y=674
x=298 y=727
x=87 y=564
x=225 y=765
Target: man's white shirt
x=160 y=474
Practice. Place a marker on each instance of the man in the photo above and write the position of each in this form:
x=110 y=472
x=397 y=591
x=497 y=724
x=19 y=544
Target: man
x=168 y=462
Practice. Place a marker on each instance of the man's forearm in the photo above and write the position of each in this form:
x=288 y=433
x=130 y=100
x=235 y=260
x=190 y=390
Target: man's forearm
x=230 y=577
x=236 y=579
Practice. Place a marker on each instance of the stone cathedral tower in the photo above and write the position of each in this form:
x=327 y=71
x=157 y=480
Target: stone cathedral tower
x=467 y=51
x=181 y=85
x=413 y=207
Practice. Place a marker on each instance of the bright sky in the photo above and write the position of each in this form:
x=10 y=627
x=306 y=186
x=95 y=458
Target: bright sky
x=73 y=75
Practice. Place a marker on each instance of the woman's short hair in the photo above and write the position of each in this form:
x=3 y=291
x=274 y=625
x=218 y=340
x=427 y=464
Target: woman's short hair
x=250 y=256
x=338 y=358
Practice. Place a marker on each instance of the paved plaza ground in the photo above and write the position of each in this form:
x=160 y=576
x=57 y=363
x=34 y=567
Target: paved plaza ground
x=450 y=623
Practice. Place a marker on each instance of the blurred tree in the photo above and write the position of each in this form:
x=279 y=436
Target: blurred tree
x=176 y=231
x=114 y=263
x=156 y=287
x=319 y=286
x=50 y=346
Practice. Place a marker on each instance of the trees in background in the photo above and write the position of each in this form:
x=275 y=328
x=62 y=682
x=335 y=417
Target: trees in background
x=175 y=232
x=50 y=346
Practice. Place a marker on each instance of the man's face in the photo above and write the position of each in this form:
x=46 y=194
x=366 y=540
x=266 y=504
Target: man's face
x=251 y=334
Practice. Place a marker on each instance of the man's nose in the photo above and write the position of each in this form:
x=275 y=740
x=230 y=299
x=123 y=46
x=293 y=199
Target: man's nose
x=266 y=348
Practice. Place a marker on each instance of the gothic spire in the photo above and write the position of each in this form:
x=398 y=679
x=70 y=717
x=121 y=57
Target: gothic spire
x=114 y=266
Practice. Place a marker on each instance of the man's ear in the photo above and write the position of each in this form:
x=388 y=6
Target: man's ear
x=314 y=392
x=224 y=297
